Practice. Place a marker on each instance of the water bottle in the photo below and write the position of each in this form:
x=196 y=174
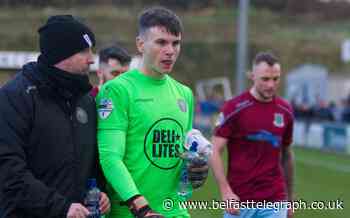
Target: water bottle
x=92 y=199
x=197 y=147
x=185 y=188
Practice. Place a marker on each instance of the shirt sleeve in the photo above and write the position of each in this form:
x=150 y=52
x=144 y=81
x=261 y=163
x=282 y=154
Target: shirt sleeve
x=112 y=108
x=225 y=125
x=111 y=146
x=190 y=110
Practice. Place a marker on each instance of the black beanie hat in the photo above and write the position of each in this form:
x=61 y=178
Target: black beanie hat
x=63 y=36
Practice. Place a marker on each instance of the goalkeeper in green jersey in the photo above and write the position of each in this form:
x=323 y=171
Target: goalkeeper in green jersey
x=143 y=116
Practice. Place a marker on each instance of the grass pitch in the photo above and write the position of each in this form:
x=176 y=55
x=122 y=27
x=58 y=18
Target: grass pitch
x=319 y=176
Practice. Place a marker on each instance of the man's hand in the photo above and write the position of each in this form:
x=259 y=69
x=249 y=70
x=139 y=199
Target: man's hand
x=139 y=207
x=105 y=204
x=199 y=149
x=228 y=195
x=197 y=171
x=77 y=210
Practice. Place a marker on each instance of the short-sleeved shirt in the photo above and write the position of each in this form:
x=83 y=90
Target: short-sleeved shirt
x=256 y=132
x=155 y=115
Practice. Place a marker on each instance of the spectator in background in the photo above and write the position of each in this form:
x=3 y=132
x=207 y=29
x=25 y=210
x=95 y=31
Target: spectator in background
x=213 y=102
x=113 y=61
x=322 y=112
x=257 y=128
x=48 y=145
x=337 y=108
x=346 y=111
x=208 y=109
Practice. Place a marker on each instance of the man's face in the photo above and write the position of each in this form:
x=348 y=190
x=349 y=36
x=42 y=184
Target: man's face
x=78 y=63
x=113 y=67
x=160 y=50
x=266 y=80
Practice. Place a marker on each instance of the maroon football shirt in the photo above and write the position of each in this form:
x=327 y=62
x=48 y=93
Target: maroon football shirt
x=94 y=91
x=256 y=132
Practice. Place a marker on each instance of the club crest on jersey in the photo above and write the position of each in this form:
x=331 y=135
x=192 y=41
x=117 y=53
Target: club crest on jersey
x=105 y=108
x=278 y=120
x=182 y=105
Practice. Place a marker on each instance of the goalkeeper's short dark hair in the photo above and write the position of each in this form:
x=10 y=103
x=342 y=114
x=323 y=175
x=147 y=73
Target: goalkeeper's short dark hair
x=162 y=17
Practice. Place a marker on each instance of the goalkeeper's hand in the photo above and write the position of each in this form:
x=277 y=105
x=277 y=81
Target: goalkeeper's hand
x=197 y=170
x=197 y=165
x=139 y=207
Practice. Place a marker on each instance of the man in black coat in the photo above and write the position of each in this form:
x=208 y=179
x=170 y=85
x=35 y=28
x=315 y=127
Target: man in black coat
x=48 y=128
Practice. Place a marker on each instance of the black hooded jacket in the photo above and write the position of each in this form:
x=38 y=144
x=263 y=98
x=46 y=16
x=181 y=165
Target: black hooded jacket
x=47 y=143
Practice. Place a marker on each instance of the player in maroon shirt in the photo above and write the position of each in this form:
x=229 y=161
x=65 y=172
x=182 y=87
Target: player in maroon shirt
x=113 y=60
x=257 y=128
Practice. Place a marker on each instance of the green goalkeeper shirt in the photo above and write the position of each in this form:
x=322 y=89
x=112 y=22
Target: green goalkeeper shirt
x=151 y=117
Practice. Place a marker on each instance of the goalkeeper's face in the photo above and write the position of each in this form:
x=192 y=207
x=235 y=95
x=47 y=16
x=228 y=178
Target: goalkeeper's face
x=160 y=50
